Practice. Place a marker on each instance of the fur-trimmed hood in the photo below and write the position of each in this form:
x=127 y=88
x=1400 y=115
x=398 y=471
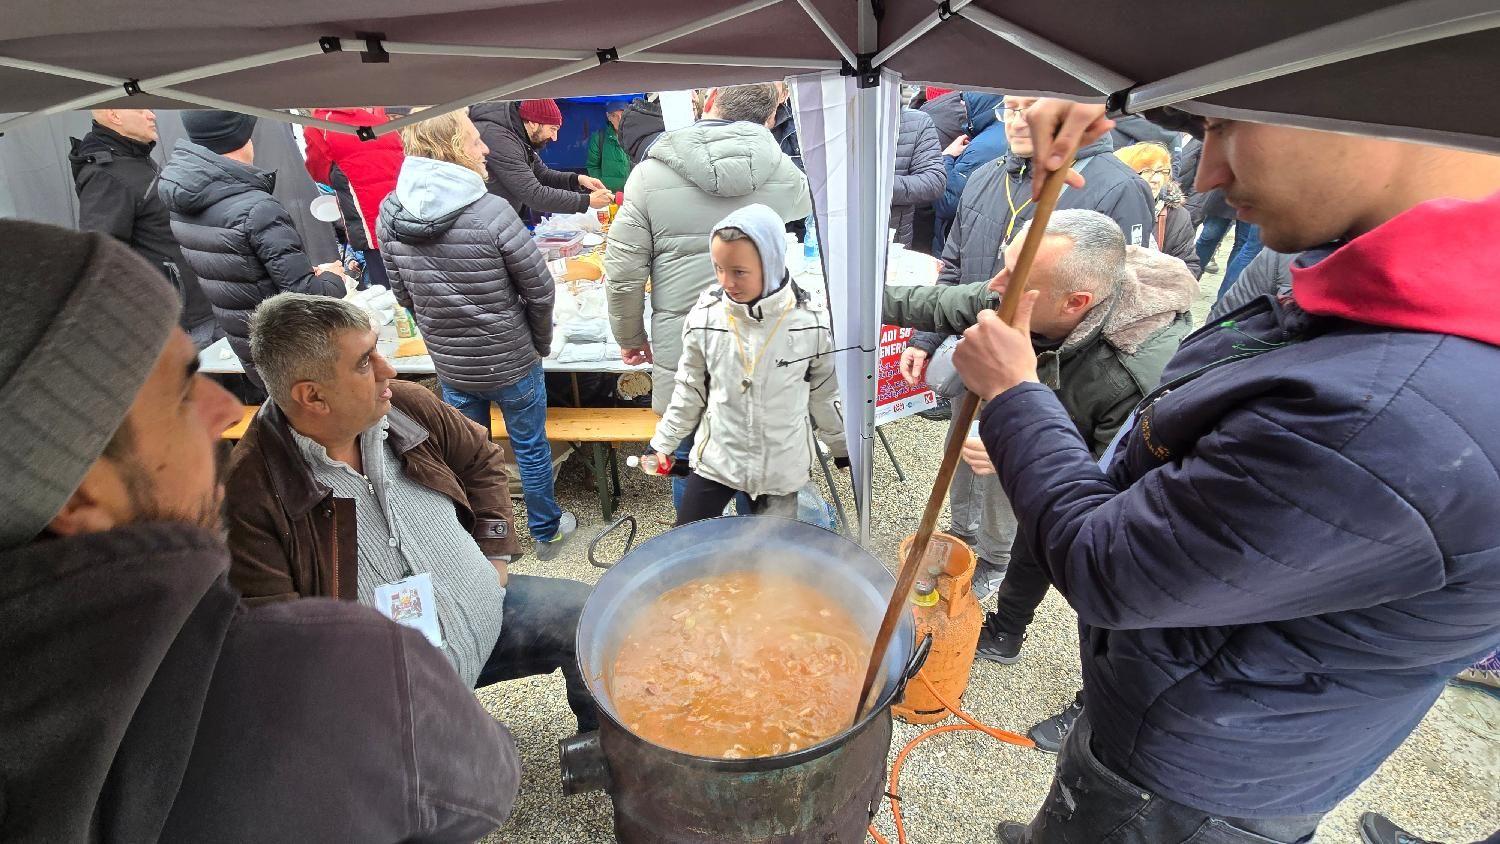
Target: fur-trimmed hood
x=1159 y=287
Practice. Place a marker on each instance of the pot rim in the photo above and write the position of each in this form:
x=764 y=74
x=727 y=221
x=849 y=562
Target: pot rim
x=807 y=754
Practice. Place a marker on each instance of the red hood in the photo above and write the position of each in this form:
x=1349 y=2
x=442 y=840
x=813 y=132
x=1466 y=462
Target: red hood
x=1432 y=268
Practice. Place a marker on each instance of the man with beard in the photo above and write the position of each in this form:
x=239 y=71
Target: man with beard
x=514 y=132
x=143 y=701
x=1291 y=546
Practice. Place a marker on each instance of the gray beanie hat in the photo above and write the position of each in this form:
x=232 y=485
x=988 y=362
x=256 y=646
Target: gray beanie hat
x=86 y=320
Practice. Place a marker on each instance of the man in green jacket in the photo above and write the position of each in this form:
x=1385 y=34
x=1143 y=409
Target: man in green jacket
x=608 y=161
x=1109 y=319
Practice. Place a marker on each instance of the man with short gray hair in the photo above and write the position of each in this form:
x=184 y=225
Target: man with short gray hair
x=351 y=484
x=1108 y=319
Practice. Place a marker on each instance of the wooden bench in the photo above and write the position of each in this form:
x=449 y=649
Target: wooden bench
x=600 y=427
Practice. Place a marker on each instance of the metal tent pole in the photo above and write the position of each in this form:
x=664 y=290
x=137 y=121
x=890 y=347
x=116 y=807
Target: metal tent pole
x=162 y=86
x=651 y=57
x=411 y=48
x=1091 y=73
x=580 y=66
x=1402 y=25
x=827 y=29
x=910 y=37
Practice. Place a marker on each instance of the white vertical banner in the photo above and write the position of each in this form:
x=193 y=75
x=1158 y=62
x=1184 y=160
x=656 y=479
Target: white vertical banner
x=848 y=139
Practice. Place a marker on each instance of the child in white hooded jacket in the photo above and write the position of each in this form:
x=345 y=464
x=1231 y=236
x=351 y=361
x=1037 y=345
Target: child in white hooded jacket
x=755 y=379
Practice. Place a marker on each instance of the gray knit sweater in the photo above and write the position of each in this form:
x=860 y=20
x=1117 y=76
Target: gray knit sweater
x=405 y=529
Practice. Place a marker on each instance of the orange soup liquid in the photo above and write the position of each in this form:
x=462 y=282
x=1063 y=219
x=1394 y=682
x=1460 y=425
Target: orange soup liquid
x=739 y=665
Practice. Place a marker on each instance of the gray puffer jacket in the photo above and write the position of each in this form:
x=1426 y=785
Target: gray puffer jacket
x=691 y=178
x=462 y=261
x=920 y=174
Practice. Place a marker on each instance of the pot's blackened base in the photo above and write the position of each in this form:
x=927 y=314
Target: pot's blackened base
x=666 y=798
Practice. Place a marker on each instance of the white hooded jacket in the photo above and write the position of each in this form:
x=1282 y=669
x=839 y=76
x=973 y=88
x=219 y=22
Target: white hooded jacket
x=757 y=439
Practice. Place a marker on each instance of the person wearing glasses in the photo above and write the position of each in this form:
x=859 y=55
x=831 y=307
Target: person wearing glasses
x=1173 y=233
x=995 y=207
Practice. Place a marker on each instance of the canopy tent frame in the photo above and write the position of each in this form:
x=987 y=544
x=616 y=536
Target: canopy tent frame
x=1401 y=25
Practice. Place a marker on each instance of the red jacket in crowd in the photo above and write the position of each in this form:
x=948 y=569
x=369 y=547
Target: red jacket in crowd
x=369 y=167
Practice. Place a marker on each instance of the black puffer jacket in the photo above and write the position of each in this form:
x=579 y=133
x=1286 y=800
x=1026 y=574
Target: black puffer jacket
x=950 y=114
x=462 y=260
x=640 y=127
x=920 y=174
x=116 y=182
x=516 y=172
x=238 y=238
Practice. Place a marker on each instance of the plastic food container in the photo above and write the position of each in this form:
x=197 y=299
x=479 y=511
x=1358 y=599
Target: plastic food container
x=560 y=243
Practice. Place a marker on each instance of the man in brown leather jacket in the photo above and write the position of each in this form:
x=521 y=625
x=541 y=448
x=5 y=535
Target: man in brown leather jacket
x=350 y=484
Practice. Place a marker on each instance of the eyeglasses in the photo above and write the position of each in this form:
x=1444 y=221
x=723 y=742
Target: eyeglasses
x=1005 y=115
x=1146 y=174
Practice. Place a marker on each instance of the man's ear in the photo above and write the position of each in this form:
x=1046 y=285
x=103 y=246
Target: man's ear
x=100 y=503
x=1079 y=302
x=307 y=396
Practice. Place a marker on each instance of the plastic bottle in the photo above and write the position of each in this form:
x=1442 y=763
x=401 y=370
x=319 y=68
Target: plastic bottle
x=653 y=465
x=810 y=239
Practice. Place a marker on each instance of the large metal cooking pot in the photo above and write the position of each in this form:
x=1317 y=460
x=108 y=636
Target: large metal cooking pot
x=825 y=793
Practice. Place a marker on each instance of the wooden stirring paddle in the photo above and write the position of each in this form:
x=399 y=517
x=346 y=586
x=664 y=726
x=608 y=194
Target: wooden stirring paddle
x=963 y=416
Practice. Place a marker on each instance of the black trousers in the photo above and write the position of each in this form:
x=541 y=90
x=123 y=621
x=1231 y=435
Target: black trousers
x=1020 y=593
x=706 y=499
x=537 y=636
x=1089 y=803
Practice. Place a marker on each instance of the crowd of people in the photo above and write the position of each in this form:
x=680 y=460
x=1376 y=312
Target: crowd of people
x=1270 y=597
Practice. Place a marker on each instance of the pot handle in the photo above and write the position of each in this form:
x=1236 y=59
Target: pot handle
x=629 y=540
x=918 y=659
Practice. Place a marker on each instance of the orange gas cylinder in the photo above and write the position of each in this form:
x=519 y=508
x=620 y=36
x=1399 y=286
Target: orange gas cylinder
x=953 y=622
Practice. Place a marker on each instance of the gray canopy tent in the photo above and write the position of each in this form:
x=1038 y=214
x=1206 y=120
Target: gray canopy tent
x=1410 y=69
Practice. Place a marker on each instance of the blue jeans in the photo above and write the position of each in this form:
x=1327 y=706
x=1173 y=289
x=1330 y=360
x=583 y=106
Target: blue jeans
x=683 y=452
x=524 y=406
x=1241 y=259
x=1214 y=229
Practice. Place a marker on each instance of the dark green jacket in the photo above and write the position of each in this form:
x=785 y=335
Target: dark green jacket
x=1098 y=383
x=608 y=161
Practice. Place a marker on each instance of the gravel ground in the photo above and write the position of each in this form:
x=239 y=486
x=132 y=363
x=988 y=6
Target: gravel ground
x=1443 y=783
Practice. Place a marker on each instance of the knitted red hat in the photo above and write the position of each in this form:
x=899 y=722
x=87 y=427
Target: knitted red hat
x=542 y=112
x=933 y=92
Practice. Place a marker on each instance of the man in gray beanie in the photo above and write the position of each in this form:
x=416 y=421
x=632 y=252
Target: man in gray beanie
x=143 y=702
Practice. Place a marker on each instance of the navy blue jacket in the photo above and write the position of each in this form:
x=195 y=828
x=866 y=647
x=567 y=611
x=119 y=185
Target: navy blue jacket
x=986 y=143
x=1291 y=551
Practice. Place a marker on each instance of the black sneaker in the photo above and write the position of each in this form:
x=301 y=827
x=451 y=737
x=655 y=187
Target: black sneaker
x=987 y=577
x=997 y=646
x=1378 y=829
x=1049 y=734
x=1011 y=832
